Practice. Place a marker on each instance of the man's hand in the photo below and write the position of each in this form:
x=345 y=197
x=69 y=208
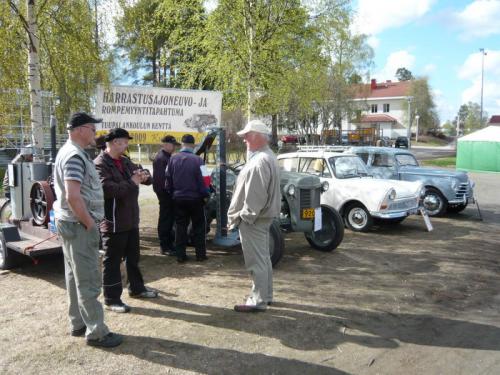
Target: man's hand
x=137 y=177
x=90 y=225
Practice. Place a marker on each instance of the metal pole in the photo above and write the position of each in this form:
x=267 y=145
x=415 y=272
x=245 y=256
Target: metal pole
x=482 y=83
x=417 y=117
x=409 y=121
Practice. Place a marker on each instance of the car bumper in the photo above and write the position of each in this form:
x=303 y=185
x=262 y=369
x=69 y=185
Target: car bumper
x=394 y=214
x=464 y=200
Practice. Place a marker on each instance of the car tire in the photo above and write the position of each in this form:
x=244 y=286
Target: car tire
x=276 y=243
x=331 y=234
x=357 y=218
x=434 y=202
x=456 y=208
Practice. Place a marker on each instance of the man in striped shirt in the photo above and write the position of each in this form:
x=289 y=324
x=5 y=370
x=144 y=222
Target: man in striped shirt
x=78 y=209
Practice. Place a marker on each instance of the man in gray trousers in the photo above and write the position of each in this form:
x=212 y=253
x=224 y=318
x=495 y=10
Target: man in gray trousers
x=256 y=202
x=78 y=209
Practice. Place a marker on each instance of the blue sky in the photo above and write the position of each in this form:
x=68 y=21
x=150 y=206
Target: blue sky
x=439 y=39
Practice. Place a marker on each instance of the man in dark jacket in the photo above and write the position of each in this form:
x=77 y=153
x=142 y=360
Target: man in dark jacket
x=120 y=180
x=166 y=217
x=187 y=188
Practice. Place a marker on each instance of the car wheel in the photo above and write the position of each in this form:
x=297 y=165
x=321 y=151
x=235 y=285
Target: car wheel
x=357 y=218
x=434 y=202
x=329 y=237
x=456 y=208
x=276 y=243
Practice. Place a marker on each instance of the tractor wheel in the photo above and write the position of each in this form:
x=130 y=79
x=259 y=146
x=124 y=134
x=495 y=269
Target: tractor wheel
x=329 y=237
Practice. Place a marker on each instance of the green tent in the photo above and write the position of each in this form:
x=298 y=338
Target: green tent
x=480 y=151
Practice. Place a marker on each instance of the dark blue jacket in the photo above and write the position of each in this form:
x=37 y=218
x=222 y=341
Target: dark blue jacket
x=159 y=165
x=183 y=177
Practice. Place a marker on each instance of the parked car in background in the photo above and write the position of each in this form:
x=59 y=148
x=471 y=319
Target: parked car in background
x=445 y=190
x=292 y=139
x=357 y=197
x=385 y=142
x=401 y=142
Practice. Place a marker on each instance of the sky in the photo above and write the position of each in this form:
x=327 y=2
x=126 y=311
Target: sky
x=439 y=39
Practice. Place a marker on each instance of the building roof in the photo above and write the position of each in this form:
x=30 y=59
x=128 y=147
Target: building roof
x=488 y=134
x=385 y=89
x=494 y=120
x=376 y=118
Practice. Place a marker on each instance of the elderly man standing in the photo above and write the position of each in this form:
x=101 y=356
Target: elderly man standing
x=256 y=202
x=79 y=206
x=120 y=180
x=166 y=217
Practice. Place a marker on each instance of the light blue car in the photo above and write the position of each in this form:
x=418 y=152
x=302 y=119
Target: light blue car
x=445 y=190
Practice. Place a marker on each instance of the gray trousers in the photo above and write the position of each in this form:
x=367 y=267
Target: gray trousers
x=255 y=244
x=83 y=277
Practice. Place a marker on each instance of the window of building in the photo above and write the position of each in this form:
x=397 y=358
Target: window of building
x=374 y=108
x=386 y=107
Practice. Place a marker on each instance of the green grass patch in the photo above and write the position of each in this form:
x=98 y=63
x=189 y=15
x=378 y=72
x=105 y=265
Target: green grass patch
x=441 y=162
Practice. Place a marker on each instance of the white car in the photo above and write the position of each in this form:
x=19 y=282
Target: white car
x=358 y=197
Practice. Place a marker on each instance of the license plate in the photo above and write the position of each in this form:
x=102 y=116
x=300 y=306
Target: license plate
x=307 y=213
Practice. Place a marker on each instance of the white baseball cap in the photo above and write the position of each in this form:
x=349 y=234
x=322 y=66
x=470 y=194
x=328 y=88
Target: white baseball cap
x=255 y=126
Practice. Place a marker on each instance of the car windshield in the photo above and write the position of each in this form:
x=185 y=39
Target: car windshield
x=348 y=166
x=406 y=159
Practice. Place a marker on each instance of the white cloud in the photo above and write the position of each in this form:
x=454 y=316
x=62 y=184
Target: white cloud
x=479 y=19
x=471 y=71
x=373 y=41
x=375 y=16
x=429 y=68
x=398 y=59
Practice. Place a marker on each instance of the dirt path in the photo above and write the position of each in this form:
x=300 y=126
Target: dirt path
x=397 y=300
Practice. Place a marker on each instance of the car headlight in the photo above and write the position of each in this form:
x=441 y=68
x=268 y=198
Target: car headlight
x=291 y=190
x=454 y=183
x=325 y=186
x=392 y=195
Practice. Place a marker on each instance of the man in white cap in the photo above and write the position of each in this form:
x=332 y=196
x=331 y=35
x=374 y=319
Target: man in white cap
x=256 y=202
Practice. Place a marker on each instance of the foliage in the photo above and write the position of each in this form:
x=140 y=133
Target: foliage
x=404 y=74
x=70 y=63
x=162 y=39
x=469 y=116
x=423 y=105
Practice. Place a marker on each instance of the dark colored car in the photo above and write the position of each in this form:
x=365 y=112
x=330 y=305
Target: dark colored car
x=401 y=142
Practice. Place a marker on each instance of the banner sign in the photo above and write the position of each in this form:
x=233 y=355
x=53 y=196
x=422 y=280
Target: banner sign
x=149 y=113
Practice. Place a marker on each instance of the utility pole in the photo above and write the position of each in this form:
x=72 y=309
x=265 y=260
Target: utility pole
x=416 y=134
x=483 y=53
x=410 y=98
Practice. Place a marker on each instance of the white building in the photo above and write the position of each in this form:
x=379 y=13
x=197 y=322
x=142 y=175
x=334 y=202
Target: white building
x=383 y=107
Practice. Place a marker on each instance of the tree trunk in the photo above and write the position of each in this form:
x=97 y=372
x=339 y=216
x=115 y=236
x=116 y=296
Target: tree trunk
x=155 y=77
x=34 y=83
x=274 y=129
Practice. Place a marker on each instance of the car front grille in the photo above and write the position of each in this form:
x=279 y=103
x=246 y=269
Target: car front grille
x=403 y=204
x=463 y=191
x=305 y=198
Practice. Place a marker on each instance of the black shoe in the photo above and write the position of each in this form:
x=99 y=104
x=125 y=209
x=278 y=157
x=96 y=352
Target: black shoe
x=118 y=307
x=249 y=308
x=109 y=341
x=182 y=259
x=170 y=253
x=201 y=258
x=79 y=332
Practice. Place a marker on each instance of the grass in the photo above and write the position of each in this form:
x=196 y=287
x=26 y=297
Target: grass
x=441 y=162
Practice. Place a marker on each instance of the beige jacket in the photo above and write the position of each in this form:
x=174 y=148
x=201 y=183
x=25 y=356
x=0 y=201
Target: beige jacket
x=257 y=193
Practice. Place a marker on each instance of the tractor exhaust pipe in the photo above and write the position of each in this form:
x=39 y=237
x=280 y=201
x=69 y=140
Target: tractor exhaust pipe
x=53 y=149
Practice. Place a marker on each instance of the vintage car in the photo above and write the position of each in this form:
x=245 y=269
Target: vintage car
x=357 y=197
x=445 y=190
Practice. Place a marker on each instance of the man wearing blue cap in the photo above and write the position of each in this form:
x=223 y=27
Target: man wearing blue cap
x=185 y=185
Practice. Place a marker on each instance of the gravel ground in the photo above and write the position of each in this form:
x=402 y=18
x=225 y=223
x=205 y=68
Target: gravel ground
x=396 y=300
